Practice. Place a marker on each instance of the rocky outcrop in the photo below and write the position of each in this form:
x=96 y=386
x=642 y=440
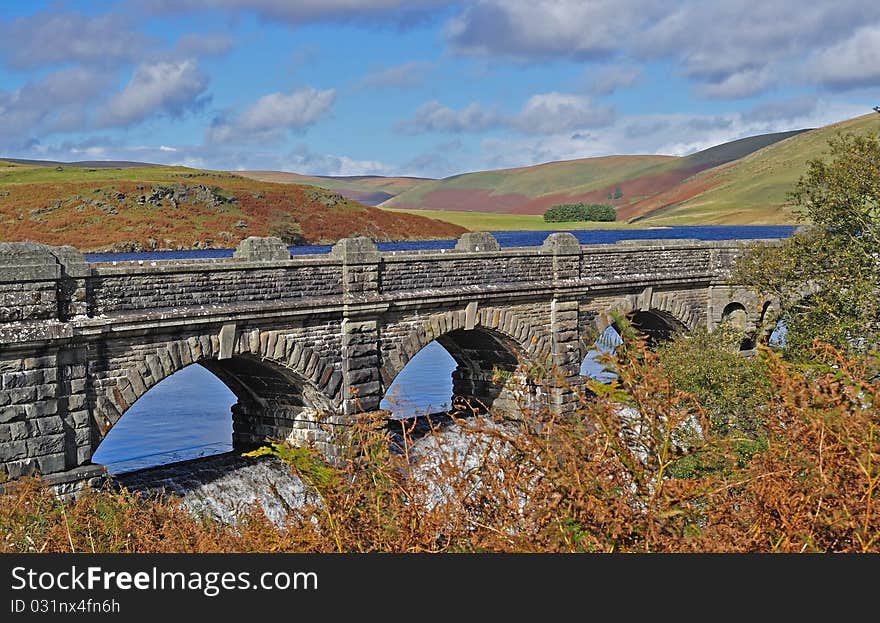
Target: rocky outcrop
x=176 y=194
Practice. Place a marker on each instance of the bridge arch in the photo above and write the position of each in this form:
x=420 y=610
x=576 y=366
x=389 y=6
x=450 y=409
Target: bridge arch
x=736 y=316
x=656 y=322
x=656 y=315
x=656 y=307
x=283 y=388
x=499 y=356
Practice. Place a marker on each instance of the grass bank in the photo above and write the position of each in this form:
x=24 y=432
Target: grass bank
x=488 y=221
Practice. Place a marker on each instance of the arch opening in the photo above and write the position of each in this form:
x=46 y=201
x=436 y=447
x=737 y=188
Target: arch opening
x=423 y=386
x=772 y=326
x=735 y=316
x=655 y=325
x=206 y=408
x=776 y=335
x=185 y=416
x=593 y=366
x=461 y=372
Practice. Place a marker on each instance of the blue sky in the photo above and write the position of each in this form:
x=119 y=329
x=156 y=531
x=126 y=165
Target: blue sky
x=421 y=87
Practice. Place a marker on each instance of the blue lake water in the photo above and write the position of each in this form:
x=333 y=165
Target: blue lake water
x=188 y=414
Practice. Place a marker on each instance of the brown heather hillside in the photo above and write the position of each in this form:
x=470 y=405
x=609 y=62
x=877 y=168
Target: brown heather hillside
x=171 y=208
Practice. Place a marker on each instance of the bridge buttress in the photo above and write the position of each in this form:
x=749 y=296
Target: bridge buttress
x=361 y=384
x=564 y=312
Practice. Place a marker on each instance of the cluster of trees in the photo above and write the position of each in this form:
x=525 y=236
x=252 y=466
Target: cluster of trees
x=566 y=212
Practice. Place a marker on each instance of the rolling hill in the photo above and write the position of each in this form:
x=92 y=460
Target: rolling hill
x=751 y=189
x=744 y=181
x=531 y=190
x=368 y=189
x=131 y=208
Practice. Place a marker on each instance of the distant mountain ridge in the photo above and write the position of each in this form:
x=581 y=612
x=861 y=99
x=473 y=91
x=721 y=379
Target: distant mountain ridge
x=99 y=164
x=629 y=182
x=744 y=181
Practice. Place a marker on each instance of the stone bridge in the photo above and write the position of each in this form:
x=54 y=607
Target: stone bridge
x=311 y=340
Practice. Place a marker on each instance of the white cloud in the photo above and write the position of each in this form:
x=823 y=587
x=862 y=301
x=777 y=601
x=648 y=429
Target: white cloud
x=550 y=113
x=53 y=104
x=730 y=49
x=303 y=160
x=738 y=85
x=94 y=152
x=673 y=134
x=544 y=113
x=303 y=10
x=273 y=115
x=202 y=44
x=434 y=117
x=854 y=62
x=538 y=29
x=167 y=148
x=216 y=157
x=783 y=110
x=51 y=37
x=170 y=88
x=669 y=134
x=613 y=77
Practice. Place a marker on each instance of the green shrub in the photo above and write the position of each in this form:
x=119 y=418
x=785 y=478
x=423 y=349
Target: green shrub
x=580 y=212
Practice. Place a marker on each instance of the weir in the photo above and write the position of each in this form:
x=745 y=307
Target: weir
x=308 y=342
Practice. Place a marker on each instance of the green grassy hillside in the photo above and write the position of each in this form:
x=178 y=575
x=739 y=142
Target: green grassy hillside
x=531 y=190
x=506 y=190
x=753 y=188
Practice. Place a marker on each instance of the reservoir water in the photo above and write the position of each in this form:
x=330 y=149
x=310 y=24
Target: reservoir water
x=188 y=415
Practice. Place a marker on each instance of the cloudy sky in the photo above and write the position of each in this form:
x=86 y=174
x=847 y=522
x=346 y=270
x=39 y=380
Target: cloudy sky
x=422 y=87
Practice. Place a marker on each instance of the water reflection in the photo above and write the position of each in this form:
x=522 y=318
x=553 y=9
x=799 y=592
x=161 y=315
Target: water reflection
x=424 y=385
x=592 y=365
x=187 y=415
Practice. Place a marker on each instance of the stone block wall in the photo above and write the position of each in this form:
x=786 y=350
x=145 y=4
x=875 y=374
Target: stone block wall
x=28 y=282
x=457 y=269
x=44 y=420
x=637 y=261
x=123 y=289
